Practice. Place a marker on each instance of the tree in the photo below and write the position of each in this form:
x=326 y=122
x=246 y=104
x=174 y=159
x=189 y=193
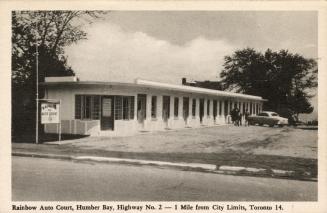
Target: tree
x=51 y=31
x=285 y=79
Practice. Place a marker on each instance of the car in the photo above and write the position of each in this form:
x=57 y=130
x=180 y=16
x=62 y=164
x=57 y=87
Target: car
x=269 y=118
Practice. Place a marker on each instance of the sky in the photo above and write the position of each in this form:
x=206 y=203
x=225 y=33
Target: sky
x=168 y=45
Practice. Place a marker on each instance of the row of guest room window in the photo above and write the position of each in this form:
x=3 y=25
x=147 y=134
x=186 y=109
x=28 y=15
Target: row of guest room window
x=89 y=107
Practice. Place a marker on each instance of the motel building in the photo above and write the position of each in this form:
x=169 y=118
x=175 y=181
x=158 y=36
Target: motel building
x=122 y=109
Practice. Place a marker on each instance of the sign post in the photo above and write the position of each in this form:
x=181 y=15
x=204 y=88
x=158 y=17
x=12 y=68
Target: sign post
x=50 y=114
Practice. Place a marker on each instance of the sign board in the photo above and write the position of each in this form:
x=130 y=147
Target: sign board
x=49 y=113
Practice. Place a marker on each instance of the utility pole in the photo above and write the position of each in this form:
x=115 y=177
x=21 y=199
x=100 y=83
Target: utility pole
x=37 y=92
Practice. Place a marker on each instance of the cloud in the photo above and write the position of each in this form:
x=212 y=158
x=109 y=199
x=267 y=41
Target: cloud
x=111 y=54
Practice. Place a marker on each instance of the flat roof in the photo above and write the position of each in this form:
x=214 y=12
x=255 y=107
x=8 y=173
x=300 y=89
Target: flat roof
x=140 y=83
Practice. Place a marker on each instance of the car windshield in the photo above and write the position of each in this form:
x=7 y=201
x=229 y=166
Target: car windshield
x=274 y=114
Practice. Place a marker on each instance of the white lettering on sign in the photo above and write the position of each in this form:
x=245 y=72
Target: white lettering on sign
x=49 y=113
x=106 y=107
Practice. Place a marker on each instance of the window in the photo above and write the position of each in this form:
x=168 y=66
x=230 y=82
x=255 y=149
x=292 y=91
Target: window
x=124 y=107
x=176 y=103
x=128 y=107
x=95 y=113
x=263 y=114
x=118 y=107
x=193 y=107
x=87 y=107
x=208 y=107
x=78 y=106
x=154 y=106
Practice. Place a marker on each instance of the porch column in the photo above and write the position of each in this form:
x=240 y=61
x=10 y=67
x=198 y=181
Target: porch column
x=148 y=107
x=159 y=107
x=222 y=107
x=135 y=108
x=171 y=115
x=190 y=108
x=211 y=109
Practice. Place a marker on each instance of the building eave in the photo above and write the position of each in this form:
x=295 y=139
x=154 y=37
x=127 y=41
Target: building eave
x=139 y=83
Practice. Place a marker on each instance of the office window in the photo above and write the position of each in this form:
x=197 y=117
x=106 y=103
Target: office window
x=95 y=113
x=118 y=107
x=154 y=106
x=208 y=107
x=128 y=107
x=87 y=107
x=124 y=107
x=176 y=103
x=193 y=107
x=78 y=106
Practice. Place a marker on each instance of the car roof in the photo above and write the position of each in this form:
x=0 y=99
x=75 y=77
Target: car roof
x=268 y=112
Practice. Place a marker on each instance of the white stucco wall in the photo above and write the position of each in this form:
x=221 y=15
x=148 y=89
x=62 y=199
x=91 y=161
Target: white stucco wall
x=70 y=125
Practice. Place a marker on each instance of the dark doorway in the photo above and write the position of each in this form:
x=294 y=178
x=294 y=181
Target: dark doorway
x=214 y=109
x=186 y=106
x=107 y=113
x=141 y=108
x=225 y=108
x=165 y=108
x=201 y=109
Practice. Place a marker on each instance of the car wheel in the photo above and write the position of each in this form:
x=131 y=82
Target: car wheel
x=280 y=125
x=271 y=125
x=260 y=124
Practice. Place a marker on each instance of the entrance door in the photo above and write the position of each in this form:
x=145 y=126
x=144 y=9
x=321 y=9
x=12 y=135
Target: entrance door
x=214 y=109
x=107 y=113
x=165 y=108
x=201 y=109
x=186 y=104
x=141 y=108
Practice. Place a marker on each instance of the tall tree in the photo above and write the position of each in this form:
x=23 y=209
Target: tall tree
x=51 y=31
x=284 y=78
